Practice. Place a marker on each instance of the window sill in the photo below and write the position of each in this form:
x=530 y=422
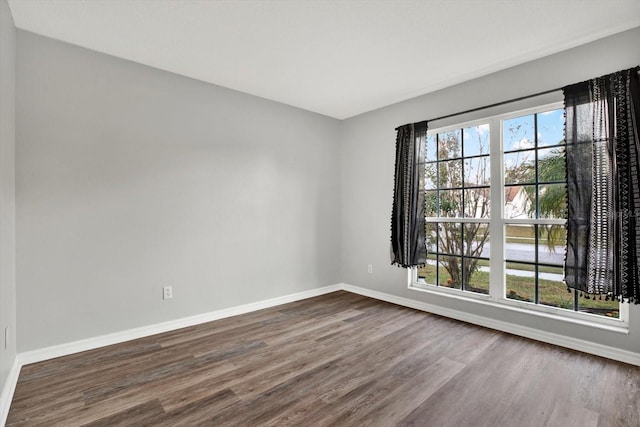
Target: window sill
x=583 y=319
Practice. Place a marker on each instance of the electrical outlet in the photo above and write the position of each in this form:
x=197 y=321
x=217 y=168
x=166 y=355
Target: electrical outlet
x=370 y=268
x=167 y=292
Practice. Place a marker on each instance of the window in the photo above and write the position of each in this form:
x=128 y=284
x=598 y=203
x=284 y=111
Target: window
x=495 y=194
x=458 y=201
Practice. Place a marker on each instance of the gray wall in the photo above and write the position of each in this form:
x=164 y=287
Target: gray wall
x=7 y=190
x=130 y=178
x=368 y=144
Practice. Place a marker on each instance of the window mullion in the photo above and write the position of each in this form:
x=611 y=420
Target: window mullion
x=496 y=237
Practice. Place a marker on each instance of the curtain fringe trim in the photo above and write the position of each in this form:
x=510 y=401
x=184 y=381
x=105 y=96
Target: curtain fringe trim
x=399 y=265
x=607 y=297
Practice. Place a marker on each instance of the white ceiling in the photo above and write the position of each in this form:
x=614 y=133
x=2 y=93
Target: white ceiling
x=338 y=58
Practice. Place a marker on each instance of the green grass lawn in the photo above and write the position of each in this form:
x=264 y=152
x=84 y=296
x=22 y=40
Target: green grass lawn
x=551 y=293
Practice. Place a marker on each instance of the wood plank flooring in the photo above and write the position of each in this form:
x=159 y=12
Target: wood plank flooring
x=338 y=359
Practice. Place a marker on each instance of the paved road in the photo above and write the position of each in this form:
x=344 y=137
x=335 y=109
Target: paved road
x=525 y=252
x=523 y=273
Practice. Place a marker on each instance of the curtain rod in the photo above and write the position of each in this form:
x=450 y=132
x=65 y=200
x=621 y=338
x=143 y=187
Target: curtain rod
x=497 y=104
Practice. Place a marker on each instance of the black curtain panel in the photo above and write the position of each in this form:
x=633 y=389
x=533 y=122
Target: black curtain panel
x=408 y=233
x=603 y=185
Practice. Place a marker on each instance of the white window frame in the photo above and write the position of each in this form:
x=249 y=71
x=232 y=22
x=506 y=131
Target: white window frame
x=497 y=285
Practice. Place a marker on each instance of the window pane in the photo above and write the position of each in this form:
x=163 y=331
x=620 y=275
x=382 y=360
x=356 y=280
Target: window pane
x=550 y=127
x=431 y=176
x=449 y=145
x=477 y=171
x=428 y=272
x=450 y=174
x=552 y=201
x=519 y=167
x=476 y=203
x=476 y=140
x=432 y=153
x=520 y=243
x=518 y=133
x=551 y=165
x=520 y=281
x=451 y=203
x=519 y=201
x=450 y=238
x=476 y=240
x=432 y=237
x=431 y=203
x=551 y=244
x=450 y=272
x=476 y=275
x=551 y=288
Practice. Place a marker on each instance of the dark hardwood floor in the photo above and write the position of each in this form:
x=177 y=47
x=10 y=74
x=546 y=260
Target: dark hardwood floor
x=338 y=359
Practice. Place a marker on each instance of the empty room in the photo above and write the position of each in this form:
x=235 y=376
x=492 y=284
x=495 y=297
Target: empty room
x=320 y=212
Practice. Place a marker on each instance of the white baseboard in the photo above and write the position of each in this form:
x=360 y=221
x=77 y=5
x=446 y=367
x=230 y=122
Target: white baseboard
x=523 y=331
x=145 y=331
x=7 y=391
